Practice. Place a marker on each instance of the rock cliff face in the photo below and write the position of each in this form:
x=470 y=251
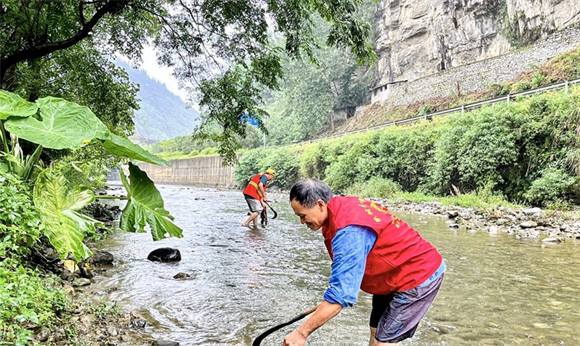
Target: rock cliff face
x=417 y=38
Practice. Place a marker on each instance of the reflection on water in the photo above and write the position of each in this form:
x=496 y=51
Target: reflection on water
x=497 y=290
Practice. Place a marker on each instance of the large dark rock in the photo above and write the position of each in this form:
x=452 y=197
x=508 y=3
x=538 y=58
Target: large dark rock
x=102 y=258
x=165 y=254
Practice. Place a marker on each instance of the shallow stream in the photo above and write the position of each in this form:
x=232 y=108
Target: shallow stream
x=498 y=290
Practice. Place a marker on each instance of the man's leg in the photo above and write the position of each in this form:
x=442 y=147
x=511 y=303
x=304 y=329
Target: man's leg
x=380 y=306
x=375 y=342
x=251 y=218
x=403 y=313
x=255 y=209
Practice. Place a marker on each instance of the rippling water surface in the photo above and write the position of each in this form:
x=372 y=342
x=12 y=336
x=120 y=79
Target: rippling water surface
x=497 y=290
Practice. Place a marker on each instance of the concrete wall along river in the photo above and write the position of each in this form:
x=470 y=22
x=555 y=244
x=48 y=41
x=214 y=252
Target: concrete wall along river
x=205 y=171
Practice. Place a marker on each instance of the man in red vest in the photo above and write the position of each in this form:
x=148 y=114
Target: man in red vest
x=255 y=194
x=375 y=251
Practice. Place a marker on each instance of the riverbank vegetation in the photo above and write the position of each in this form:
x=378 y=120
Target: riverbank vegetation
x=43 y=197
x=523 y=152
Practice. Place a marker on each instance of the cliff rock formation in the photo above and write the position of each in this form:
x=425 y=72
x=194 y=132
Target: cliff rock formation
x=417 y=38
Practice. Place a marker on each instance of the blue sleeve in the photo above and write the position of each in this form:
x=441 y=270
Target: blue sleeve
x=350 y=247
x=263 y=179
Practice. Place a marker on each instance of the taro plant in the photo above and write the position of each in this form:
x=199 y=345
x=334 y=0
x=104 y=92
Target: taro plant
x=58 y=124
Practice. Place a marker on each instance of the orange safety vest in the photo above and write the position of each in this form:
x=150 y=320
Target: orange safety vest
x=252 y=187
x=400 y=259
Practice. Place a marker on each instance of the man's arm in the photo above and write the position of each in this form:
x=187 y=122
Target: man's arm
x=324 y=312
x=351 y=246
x=261 y=190
x=262 y=193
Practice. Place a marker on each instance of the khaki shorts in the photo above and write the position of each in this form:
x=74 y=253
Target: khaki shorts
x=254 y=205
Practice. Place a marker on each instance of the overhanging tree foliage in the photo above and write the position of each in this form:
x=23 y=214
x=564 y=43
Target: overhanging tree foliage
x=219 y=50
x=58 y=124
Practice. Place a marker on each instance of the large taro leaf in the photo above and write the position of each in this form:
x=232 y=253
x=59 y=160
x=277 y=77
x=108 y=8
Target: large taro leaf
x=120 y=146
x=14 y=105
x=145 y=207
x=62 y=125
x=65 y=227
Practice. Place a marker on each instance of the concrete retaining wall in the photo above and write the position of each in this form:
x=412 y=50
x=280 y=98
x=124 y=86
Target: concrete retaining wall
x=203 y=171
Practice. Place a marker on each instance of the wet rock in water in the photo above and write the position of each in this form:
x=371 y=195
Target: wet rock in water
x=452 y=213
x=452 y=224
x=102 y=257
x=165 y=254
x=81 y=282
x=137 y=321
x=440 y=329
x=165 y=343
x=181 y=276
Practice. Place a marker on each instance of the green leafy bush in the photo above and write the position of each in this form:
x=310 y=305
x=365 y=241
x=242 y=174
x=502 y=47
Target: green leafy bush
x=553 y=185
x=249 y=164
x=375 y=187
x=27 y=301
x=209 y=151
x=483 y=198
x=285 y=162
x=313 y=161
x=343 y=157
x=19 y=221
x=490 y=154
x=473 y=150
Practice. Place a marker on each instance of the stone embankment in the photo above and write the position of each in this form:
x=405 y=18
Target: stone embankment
x=522 y=223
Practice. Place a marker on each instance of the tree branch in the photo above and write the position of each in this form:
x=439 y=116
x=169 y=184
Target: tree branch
x=48 y=48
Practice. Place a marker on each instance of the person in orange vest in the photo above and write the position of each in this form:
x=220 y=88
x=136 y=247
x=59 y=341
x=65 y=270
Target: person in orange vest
x=372 y=250
x=255 y=194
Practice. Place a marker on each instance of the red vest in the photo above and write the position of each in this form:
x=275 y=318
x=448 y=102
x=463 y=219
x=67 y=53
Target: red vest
x=400 y=259
x=252 y=187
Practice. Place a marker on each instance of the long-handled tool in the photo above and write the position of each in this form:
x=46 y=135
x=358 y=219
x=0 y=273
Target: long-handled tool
x=275 y=213
x=275 y=328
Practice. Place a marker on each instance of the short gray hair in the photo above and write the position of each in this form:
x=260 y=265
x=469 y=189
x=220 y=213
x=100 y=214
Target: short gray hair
x=308 y=191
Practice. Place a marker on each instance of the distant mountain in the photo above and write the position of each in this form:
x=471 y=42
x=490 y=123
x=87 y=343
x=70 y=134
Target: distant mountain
x=163 y=115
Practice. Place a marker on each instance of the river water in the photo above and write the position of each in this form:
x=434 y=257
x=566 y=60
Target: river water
x=498 y=290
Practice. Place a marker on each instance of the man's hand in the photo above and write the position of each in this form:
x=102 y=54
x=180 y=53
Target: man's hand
x=295 y=339
x=324 y=312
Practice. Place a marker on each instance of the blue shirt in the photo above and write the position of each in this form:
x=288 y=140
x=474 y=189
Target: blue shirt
x=264 y=179
x=350 y=247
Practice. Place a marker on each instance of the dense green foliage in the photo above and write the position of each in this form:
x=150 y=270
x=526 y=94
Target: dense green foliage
x=39 y=204
x=305 y=103
x=27 y=299
x=47 y=123
x=19 y=221
x=221 y=51
x=524 y=151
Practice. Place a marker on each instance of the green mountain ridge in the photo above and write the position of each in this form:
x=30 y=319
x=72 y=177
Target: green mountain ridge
x=163 y=115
